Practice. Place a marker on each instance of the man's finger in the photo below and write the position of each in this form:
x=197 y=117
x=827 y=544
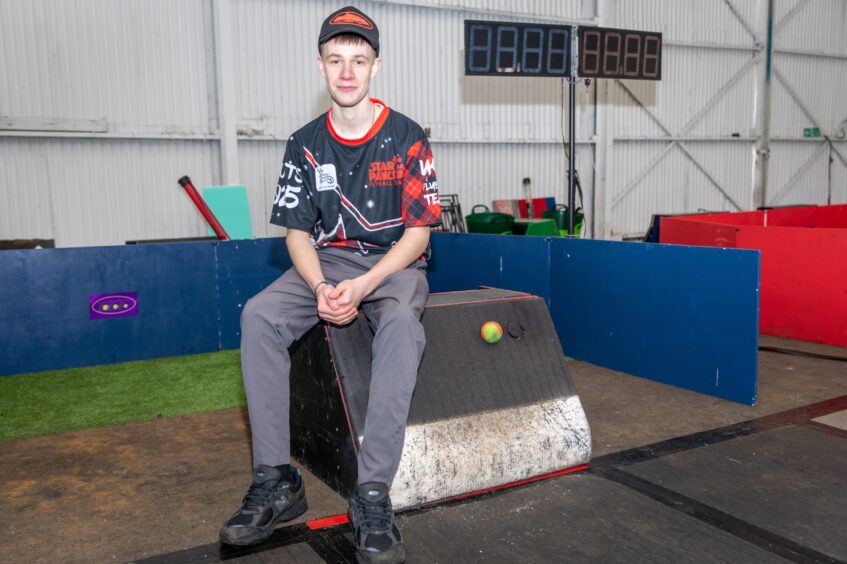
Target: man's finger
x=346 y=320
x=337 y=316
x=345 y=297
x=335 y=308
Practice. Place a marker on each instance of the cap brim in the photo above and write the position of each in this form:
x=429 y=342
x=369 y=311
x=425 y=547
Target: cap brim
x=336 y=32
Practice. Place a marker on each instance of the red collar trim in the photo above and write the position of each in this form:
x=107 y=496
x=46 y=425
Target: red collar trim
x=383 y=115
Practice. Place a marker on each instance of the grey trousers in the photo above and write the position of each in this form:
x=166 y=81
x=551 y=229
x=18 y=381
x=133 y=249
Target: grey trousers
x=284 y=311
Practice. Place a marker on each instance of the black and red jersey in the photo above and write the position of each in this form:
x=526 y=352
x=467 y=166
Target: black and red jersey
x=359 y=194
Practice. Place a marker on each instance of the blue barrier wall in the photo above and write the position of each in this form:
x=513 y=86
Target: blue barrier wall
x=243 y=269
x=686 y=316
x=44 y=322
x=461 y=262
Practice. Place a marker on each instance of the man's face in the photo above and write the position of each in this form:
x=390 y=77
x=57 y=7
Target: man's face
x=348 y=69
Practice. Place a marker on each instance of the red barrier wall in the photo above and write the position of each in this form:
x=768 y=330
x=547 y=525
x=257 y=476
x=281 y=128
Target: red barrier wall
x=834 y=217
x=690 y=231
x=803 y=264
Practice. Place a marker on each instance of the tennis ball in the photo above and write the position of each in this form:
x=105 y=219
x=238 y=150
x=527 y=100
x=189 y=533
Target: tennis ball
x=491 y=332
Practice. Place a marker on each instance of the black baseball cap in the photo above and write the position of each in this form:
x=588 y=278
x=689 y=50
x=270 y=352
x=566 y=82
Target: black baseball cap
x=349 y=20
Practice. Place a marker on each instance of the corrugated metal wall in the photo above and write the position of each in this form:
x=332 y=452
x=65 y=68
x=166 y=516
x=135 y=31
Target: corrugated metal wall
x=84 y=192
x=810 y=67
x=131 y=67
x=685 y=143
x=103 y=105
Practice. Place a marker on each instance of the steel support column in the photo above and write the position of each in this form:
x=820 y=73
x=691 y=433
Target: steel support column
x=225 y=89
x=763 y=104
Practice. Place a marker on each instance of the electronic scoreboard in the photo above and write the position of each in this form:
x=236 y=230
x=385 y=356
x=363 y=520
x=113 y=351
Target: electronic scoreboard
x=527 y=49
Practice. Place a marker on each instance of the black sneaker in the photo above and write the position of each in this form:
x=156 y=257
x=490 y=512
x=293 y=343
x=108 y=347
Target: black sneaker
x=269 y=500
x=378 y=539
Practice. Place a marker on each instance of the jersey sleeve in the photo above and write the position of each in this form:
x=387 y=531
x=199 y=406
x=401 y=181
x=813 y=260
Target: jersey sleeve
x=294 y=205
x=420 y=206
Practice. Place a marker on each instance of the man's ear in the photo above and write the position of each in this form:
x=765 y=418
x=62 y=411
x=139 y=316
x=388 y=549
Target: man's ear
x=321 y=66
x=376 y=66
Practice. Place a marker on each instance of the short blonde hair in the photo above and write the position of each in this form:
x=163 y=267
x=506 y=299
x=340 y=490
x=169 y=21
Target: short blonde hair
x=346 y=39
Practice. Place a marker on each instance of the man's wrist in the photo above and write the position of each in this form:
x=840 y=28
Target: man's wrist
x=318 y=286
x=371 y=281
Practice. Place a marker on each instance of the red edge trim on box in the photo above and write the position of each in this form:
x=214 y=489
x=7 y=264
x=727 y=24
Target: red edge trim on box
x=513 y=484
x=353 y=436
x=341 y=519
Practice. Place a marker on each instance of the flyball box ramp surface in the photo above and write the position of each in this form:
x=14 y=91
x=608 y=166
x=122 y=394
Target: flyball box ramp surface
x=482 y=414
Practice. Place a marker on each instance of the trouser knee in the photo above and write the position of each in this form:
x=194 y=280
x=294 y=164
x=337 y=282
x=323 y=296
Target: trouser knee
x=401 y=316
x=255 y=313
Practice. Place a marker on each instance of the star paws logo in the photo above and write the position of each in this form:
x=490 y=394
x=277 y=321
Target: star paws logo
x=387 y=173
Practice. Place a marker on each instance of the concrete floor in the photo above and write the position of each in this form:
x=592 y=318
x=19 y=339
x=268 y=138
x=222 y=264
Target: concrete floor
x=128 y=492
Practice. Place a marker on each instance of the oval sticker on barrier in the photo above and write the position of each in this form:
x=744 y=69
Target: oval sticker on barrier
x=120 y=304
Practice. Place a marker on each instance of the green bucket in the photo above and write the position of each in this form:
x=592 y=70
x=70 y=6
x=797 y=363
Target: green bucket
x=560 y=215
x=486 y=221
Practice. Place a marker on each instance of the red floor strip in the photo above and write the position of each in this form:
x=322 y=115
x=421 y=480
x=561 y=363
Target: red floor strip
x=342 y=519
x=325 y=522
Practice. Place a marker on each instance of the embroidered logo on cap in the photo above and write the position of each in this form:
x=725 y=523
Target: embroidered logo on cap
x=351 y=18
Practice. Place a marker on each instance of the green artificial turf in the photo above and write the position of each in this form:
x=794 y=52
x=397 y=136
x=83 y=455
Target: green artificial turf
x=46 y=403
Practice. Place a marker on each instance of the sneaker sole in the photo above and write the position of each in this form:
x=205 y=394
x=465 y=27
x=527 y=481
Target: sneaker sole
x=299 y=508
x=394 y=555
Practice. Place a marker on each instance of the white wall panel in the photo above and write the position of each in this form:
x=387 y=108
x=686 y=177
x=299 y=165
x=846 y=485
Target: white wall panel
x=799 y=173
x=26 y=207
x=819 y=25
x=108 y=192
x=838 y=178
x=819 y=83
x=279 y=88
x=260 y=163
x=807 y=93
x=689 y=21
x=554 y=9
x=134 y=66
x=691 y=77
x=675 y=184
x=705 y=92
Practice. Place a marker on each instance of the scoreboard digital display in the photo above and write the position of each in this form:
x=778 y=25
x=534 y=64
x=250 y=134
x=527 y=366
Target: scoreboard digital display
x=619 y=53
x=527 y=49
x=517 y=49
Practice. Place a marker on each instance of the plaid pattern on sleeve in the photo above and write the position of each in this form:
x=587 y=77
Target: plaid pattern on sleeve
x=420 y=204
